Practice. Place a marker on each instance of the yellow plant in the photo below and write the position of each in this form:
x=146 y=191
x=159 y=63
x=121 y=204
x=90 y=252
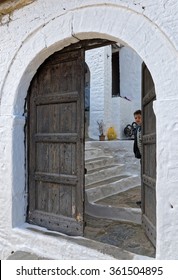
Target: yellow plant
x=111 y=133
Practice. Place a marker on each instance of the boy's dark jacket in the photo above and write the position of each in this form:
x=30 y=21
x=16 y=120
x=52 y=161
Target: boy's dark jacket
x=135 y=146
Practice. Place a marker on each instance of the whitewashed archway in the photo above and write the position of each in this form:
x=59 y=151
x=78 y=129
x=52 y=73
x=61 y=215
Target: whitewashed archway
x=111 y=22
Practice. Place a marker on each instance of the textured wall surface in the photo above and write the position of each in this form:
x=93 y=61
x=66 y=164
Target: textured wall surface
x=9 y=6
x=28 y=36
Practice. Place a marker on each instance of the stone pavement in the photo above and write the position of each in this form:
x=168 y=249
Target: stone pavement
x=21 y=255
x=127 y=236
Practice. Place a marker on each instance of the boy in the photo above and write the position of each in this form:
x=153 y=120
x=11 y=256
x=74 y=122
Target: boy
x=137 y=148
x=137 y=134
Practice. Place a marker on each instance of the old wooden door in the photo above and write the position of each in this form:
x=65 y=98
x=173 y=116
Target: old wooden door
x=148 y=156
x=56 y=143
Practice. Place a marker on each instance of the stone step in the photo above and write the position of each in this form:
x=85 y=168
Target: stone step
x=98 y=162
x=108 y=187
x=105 y=167
x=106 y=182
x=120 y=151
x=127 y=198
x=101 y=174
x=107 y=176
x=95 y=195
x=87 y=248
x=126 y=214
x=117 y=146
x=93 y=153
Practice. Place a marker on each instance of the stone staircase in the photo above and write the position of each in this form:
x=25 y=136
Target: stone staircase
x=112 y=172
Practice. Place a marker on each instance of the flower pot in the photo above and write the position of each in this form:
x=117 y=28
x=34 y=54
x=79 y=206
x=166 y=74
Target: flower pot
x=101 y=137
x=111 y=134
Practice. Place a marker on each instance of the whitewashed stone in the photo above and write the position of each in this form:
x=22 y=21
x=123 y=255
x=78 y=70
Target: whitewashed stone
x=36 y=31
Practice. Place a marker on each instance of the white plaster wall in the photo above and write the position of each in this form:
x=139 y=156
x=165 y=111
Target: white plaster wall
x=115 y=112
x=148 y=27
x=94 y=59
x=107 y=88
x=130 y=79
x=122 y=115
x=130 y=88
x=99 y=63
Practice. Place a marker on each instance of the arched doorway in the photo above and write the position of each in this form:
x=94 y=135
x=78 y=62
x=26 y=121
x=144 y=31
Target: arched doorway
x=56 y=143
x=111 y=19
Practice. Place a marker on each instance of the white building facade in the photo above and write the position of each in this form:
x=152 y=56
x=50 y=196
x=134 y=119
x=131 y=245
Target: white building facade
x=115 y=111
x=30 y=35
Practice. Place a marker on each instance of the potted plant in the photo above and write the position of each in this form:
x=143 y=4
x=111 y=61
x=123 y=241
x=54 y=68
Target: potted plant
x=101 y=130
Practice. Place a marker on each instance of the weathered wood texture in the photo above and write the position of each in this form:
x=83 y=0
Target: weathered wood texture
x=148 y=156
x=56 y=143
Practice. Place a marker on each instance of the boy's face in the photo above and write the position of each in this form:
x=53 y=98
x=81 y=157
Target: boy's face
x=138 y=119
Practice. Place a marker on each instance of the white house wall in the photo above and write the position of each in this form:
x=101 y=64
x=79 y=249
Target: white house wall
x=30 y=35
x=99 y=63
x=129 y=101
x=117 y=111
x=130 y=75
x=130 y=85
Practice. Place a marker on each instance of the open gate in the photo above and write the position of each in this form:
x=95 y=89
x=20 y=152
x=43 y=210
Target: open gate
x=56 y=143
x=148 y=156
x=56 y=140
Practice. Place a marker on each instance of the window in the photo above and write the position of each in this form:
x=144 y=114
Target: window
x=115 y=71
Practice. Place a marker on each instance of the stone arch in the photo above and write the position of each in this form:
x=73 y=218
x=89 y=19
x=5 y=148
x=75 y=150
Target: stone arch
x=113 y=23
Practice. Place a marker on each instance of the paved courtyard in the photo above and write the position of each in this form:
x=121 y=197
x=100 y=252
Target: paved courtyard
x=127 y=236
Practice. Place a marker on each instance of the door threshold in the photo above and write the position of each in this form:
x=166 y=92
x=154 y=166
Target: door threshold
x=91 y=249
